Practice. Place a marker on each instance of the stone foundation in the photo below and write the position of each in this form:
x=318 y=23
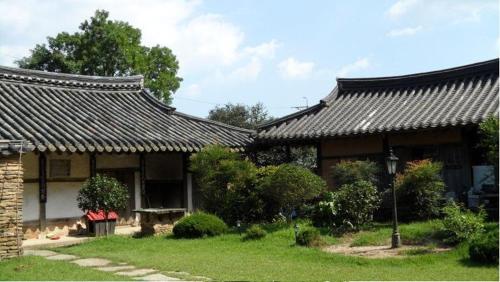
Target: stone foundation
x=11 y=206
x=159 y=223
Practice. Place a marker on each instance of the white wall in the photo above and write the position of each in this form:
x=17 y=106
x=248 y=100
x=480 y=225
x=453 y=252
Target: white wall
x=31 y=206
x=61 y=200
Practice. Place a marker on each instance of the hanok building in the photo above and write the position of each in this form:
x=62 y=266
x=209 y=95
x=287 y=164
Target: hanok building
x=78 y=126
x=426 y=115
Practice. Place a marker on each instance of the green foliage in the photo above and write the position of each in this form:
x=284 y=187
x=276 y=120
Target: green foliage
x=199 y=225
x=460 y=224
x=420 y=190
x=102 y=193
x=348 y=207
x=240 y=115
x=488 y=130
x=255 y=232
x=309 y=237
x=348 y=172
x=107 y=48
x=226 y=184
x=291 y=186
x=484 y=248
x=325 y=211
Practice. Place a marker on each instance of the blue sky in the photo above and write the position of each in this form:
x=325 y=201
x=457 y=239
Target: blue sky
x=275 y=52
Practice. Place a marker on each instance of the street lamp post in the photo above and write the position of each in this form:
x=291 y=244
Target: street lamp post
x=392 y=162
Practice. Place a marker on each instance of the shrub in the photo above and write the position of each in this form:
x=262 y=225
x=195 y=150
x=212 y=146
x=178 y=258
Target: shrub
x=290 y=186
x=102 y=193
x=309 y=237
x=484 y=248
x=325 y=211
x=199 y=225
x=226 y=184
x=356 y=203
x=461 y=225
x=255 y=232
x=348 y=172
x=420 y=190
x=488 y=130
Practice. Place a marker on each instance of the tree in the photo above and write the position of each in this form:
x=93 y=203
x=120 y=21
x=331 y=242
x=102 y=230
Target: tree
x=102 y=193
x=240 y=115
x=107 y=48
x=488 y=131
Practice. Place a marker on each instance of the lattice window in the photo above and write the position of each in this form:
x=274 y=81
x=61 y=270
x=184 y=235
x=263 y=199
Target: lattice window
x=60 y=168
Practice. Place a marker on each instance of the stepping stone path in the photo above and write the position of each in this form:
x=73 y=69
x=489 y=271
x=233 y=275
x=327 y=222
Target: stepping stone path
x=141 y=274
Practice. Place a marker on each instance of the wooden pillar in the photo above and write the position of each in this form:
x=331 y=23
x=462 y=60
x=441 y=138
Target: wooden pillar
x=93 y=164
x=42 y=190
x=142 y=170
x=288 y=154
x=319 y=159
x=185 y=160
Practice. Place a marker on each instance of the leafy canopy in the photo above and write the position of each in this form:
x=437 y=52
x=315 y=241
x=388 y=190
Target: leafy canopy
x=240 y=115
x=488 y=130
x=102 y=193
x=107 y=48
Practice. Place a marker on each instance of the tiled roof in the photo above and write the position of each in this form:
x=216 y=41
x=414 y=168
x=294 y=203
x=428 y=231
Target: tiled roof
x=74 y=113
x=451 y=97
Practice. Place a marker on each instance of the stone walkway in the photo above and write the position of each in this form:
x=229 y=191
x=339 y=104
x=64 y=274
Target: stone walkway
x=123 y=269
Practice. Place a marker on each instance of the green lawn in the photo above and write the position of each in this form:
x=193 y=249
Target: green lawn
x=38 y=268
x=277 y=258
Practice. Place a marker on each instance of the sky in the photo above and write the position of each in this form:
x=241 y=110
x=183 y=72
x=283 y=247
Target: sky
x=283 y=53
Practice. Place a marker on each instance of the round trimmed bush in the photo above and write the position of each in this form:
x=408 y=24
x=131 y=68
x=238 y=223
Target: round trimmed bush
x=255 y=232
x=199 y=225
x=484 y=248
x=309 y=237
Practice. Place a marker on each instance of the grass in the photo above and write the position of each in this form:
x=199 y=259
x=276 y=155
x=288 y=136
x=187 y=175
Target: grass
x=417 y=233
x=275 y=257
x=38 y=268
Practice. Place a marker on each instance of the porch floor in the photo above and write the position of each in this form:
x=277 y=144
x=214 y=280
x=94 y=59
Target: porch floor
x=68 y=240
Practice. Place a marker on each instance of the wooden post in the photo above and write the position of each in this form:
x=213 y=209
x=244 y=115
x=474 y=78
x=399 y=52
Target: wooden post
x=319 y=159
x=288 y=154
x=93 y=165
x=185 y=160
x=142 y=170
x=42 y=190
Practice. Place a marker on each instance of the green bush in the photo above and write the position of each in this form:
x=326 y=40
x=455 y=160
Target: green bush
x=460 y=224
x=348 y=172
x=102 y=193
x=356 y=203
x=484 y=248
x=227 y=184
x=420 y=190
x=488 y=131
x=290 y=186
x=254 y=232
x=199 y=225
x=309 y=237
x=325 y=210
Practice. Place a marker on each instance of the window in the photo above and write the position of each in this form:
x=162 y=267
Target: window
x=60 y=168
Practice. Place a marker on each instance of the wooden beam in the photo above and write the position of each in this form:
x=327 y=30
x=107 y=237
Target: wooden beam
x=319 y=160
x=42 y=190
x=142 y=172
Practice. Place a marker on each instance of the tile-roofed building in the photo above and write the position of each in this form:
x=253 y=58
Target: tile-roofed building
x=74 y=113
x=75 y=126
x=426 y=115
x=359 y=106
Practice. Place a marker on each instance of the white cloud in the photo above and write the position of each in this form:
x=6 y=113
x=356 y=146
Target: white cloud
x=247 y=72
x=401 y=7
x=202 y=42
x=358 y=65
x=438 y=11
x=291 y=68
x=264 y=50
x=407 y=31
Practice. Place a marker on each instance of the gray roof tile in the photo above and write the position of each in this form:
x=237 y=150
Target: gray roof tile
x=74 y=113
x=358 y=106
